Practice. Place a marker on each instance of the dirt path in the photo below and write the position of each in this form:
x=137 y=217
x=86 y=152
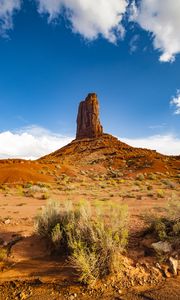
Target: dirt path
x=36 y=290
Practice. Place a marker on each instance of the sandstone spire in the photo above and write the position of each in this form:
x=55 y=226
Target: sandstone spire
x=88 y=123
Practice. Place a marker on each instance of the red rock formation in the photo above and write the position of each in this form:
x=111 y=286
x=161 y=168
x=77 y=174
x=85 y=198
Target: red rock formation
x=88 y=123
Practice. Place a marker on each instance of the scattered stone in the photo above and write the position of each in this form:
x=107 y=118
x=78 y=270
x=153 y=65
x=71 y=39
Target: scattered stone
x=72 y=297
x=83 y=172
x=173 y=265
x=7 y=221
x=166 y=272
x=162 y=247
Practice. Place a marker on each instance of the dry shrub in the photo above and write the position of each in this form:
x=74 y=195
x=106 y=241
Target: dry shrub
x=31 y=191
x=166 y=226
x=92 y=237
x=3 y=254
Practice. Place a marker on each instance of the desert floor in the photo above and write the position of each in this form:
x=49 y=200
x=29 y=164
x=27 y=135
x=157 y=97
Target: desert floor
x=31 y=272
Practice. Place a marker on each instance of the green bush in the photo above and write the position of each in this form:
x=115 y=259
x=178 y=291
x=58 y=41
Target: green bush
x=92 y=237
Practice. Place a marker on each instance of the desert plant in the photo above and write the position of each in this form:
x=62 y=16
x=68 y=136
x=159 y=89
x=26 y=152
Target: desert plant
x=151 y=176
x=56 y=235
x=47 y=220
x=20 y=190
x=140 y=177
x=31 y=191
x=3 y=254
x=166 y=226
x=173 y=209
x=93 y=237
x=28 y=185
x=45 y=196
x=149 y=187
x=160 y=193
x=169 y=183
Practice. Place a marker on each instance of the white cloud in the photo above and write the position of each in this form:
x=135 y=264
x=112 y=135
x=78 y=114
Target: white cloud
x=158 y=126
x=175 y=101
x=162 y=19
x=165 y=144
x=87 y=17
x=33 y=142
x=7 y=10
x=134 y=43
x=30 y=143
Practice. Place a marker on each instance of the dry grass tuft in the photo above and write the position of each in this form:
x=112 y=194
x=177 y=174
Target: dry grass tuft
x=92 y=237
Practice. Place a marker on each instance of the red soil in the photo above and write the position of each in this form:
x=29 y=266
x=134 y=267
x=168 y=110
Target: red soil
x=97 y=155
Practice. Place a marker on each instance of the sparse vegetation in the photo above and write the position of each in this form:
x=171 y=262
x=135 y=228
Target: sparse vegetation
x=169 y=184
x=45 y=196
x=31 y=191
x=160 y=193
x=3 y=254
x=92 y=237
x=140 y=177
x=166 y=226
x=151 y=176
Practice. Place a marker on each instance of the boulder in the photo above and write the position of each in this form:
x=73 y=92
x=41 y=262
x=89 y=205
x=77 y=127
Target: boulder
x=162 y=247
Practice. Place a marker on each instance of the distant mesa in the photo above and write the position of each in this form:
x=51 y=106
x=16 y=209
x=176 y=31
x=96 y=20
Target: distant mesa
x=88 y=123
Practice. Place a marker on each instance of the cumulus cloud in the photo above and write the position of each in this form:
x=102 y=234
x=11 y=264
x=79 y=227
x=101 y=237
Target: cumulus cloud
x=165 y=144
x=162 y=19
x=87 y=17
x=33 y=142
x=30 y=143
x=175 y=101
x=7 y=10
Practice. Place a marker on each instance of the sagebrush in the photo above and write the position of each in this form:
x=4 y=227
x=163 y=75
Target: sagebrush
x=166 y=226
x=92 y=237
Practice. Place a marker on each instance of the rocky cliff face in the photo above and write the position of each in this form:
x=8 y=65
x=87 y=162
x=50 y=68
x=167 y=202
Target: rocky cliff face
x=88 y=123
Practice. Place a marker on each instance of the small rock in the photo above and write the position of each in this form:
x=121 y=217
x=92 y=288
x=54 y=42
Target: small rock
x=162 y=247
x=167 y=274
x=83 y=172
x=7 y=222
x=165 y=270
x=173 y=265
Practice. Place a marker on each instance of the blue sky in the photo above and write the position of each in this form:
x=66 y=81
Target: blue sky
x=52 y=53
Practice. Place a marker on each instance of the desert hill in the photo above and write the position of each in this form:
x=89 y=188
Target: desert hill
x=104 y=175
x=92 y=149
x=107 y=152
x=92 y=152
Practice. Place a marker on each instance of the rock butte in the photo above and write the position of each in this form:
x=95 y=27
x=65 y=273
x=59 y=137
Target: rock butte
x=88 y=123
x=92 y=151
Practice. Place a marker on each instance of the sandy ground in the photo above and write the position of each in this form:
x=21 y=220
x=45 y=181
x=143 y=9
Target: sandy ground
x=53 y=278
